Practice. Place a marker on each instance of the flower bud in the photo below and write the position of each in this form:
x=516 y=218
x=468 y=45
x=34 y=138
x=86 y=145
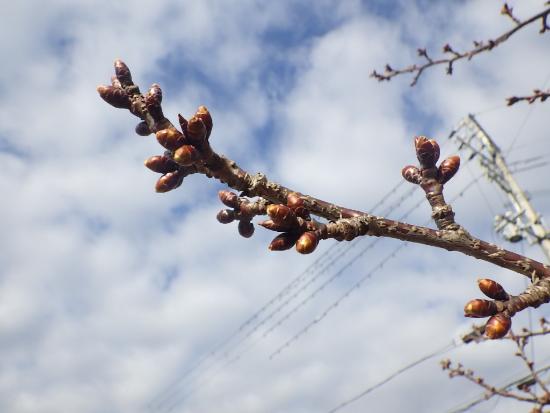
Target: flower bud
x=412 y=174
x=114 y=96
x=169 y=181
x=492 y=289
x=196 y=130
x=231 y=199
x=293 y=200
x=226 y=216
x=142 y=129
x=153 y=100
x=161 y=164
x=296 y=203
x=307 y=242
x=170 y=138
x=246 y=228
x=281 y=214
x=427 y=151
x=123 y=73
x=183 y=123
x=448 y=168
x=186 y=155
x=204 y=115
x=497 y=326
x=273 y=226
x=284 y=241
x=480 y=308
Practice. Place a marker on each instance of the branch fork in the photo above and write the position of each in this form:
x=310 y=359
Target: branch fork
x=301 y=220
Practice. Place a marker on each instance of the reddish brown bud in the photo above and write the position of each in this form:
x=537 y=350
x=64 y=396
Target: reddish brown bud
x=412 y=174
x=169 y=181
x=427 y=151
x=246 y=228
x=186 y=155
x=183 y=123
x=170 y=138
x=307 y=242
x=114 y=96
x=231 y=199
x=123 y=73
x=448 y=168
x=492 y=289
x=225 y=216
x=283 y=242
x=296 y=203
x=269 y=224
x=161 y=164
x=480 y=308
x=196 y=130
x=153 y=99
x=204 y=115
x=142 y=129
x=281 y=214
x=497 y=326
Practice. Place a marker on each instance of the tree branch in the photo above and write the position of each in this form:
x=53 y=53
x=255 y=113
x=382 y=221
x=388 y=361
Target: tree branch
x=454 y=56
x=189 y=152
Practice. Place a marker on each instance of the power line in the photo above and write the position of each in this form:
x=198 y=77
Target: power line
x=396 y=373
x=359 y=282
x=159 y=400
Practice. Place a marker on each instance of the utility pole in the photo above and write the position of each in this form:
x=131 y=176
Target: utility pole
x=515 y=225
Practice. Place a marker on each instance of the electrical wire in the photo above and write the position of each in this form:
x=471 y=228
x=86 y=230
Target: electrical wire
x=158 y=401
x=360 y=281
x=396 y=373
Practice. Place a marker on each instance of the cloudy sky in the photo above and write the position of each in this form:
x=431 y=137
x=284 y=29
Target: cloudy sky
x=116 y=299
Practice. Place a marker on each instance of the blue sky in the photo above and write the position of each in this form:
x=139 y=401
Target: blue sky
x=110 y=293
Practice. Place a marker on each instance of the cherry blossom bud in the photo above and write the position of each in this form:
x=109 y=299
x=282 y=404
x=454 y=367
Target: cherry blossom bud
x=231 y=199
x=114 y=96
x=492 y=289
x=153 y=100
x=123 y=73
x=183 y=123
x=142 y=129
x=448 y=168
x=480 y=308
x=246 y=228
x=412 y=174
x=196 y=130
x=498 y=326
x=204 y=115
x=284 y=241
x=161 y=164
x=427 y=151
x=296 y=203
x=170 y=138
x=169 y=181
x=273 y=226
x=225 y=216
x=281 y=214
x=307 y=242
x=186 y=155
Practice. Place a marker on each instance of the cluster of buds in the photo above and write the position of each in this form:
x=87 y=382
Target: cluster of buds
x=184 y=148
x=499 y=323
x=294 y=223
x=117 y=94
x=427 y=152
x=292 y=220
x=241 y=209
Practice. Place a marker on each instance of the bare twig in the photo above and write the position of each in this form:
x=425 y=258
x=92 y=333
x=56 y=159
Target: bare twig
x=454 y=56
x=537 y=94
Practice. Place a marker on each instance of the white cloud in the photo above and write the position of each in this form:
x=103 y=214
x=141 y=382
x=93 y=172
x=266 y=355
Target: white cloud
x=109 y=292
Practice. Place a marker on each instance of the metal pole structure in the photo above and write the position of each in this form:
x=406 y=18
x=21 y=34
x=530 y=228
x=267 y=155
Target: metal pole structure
x=472 y=136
